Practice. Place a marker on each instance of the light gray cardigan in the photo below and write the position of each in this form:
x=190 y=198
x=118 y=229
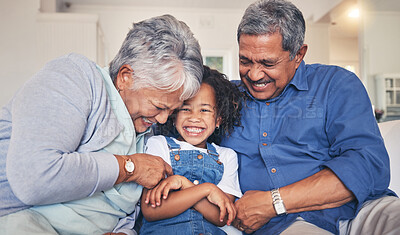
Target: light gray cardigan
x=49 y=134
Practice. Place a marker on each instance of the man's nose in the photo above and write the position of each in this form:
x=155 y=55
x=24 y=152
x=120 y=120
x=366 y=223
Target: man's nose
x=255 y=73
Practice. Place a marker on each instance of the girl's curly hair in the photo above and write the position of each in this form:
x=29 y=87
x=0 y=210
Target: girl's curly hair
x=228 y=105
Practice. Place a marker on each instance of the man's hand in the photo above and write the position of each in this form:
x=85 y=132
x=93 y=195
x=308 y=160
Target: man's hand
x=254 y=210
x=149 y=169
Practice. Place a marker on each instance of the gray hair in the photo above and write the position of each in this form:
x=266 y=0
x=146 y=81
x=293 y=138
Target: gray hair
x=270 y=16
x=158 y=49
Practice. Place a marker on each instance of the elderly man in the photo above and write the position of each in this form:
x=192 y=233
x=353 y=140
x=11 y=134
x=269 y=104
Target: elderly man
x=311 y=158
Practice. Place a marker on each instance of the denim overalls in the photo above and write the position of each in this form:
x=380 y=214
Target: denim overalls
x=199 y=168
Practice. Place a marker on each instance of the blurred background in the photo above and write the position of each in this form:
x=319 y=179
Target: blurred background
x=359 y=35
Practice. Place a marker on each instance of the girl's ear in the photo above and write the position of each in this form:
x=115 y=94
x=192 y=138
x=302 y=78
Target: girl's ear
x=218 y=122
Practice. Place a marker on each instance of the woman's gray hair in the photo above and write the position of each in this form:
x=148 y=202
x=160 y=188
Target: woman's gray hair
x=270 y=16
x=158 y=49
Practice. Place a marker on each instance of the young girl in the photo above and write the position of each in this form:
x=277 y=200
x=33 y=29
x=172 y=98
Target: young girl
x=199 y=197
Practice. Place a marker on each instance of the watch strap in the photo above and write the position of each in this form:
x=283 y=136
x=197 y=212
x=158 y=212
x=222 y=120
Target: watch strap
x=277 y=202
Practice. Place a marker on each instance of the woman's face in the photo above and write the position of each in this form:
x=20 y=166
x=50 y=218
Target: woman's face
x=146 y=106
x=197 y=118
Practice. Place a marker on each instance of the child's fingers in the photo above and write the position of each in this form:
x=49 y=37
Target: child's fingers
x=231 y=213
x=147 y=196
x=222 y=211
x=166 y=191
x=158 y=193
x=152 y=201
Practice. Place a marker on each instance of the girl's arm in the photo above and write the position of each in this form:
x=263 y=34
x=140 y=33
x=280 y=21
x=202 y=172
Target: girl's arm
x=212 y=213
x=188 y=196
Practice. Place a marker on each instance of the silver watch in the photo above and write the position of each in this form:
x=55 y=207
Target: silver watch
x=277 y=201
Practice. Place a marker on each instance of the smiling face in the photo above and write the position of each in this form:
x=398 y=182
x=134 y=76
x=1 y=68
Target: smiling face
x=149 y=106
x=197 y=118
x=264 y=67
x=146 y=106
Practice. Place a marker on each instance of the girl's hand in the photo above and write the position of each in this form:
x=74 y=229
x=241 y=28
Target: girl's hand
x=220 y=199
x=173 y=182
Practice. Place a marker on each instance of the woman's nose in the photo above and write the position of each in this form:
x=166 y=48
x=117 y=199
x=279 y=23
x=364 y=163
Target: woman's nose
x=162 y=117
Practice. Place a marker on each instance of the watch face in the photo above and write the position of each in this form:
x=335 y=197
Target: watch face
x=129 y=166
x=280 y=208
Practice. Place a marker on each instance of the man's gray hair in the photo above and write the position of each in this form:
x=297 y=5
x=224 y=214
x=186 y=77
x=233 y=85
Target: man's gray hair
x=270 y=16
x=158 y=49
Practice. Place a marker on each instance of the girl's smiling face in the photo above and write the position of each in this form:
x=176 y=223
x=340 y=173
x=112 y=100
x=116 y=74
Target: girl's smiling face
x=197 y=119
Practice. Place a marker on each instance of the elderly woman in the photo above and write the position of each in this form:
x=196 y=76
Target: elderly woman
x=74 y=134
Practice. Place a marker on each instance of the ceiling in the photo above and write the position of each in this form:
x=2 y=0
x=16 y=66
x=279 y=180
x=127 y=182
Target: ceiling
x=320 y=11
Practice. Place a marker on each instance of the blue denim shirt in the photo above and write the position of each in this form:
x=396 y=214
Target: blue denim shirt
x=322 y=119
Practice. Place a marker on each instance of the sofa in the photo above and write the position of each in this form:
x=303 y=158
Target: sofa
x=391 y=135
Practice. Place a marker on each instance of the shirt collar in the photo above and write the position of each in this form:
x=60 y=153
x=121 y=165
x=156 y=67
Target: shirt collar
x=127 y=141
x=300 y=79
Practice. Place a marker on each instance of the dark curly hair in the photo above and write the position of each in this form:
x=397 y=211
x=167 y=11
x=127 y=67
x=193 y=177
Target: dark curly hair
x=228 y=105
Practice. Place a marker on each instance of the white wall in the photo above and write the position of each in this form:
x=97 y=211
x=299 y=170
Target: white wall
x=380 y=46
x=343 y=52
x=17 y=45
x=214 y=28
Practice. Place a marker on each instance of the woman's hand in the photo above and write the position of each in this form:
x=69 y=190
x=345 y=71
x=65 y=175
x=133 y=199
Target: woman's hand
x=149 y=169
x=225 y=204
x=173 y=182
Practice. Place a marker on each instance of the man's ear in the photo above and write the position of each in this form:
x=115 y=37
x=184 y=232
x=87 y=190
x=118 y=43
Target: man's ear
x=300 y=55
x=124 y=78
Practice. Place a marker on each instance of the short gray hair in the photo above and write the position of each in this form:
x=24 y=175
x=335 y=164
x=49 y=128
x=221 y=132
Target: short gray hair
x=157 y=49
x=270 y=16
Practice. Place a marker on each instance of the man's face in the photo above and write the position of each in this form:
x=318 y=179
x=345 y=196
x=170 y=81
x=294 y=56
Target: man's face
x=264 y=67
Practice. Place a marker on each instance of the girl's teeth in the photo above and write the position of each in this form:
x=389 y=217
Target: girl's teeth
x=194 y=130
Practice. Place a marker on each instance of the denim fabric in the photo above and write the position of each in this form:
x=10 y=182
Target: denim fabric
x=322 y=119
x=194 y=165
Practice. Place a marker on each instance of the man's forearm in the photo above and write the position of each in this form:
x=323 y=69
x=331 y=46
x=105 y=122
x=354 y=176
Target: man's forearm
x=322 y=190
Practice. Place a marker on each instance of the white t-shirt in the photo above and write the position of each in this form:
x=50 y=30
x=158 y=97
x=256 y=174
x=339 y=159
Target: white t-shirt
x=157 y=145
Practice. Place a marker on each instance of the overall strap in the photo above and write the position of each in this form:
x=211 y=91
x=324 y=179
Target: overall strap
x=211 y=149
x=172 y=144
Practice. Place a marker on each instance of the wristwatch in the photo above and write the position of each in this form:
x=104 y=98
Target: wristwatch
x=277 y=201
x=129 y=166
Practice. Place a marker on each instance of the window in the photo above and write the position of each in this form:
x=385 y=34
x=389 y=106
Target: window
x=387 y=99
x=220 y=60
x=392 y=87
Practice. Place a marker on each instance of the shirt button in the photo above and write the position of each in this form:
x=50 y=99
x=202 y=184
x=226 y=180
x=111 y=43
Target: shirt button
x=199 y=156
x=265 y=134
x=177 y=157
x=264 y=144
x=273 y=170
x=267 y=103
x=196 y=182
